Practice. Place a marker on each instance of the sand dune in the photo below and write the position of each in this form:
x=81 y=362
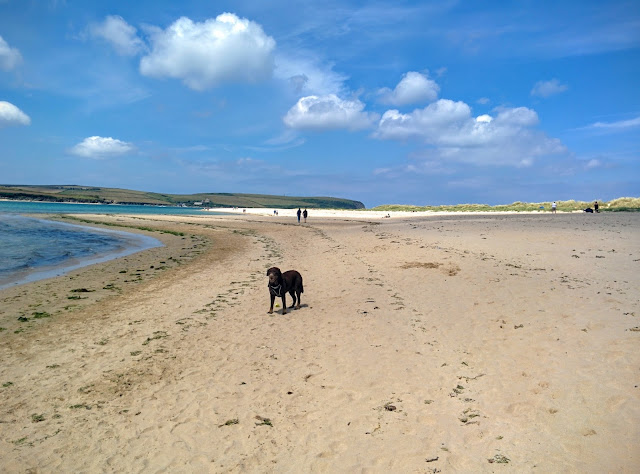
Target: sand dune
x=466 y=343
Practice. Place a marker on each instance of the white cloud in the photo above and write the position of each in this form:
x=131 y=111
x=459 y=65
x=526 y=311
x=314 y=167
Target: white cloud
x=593 y=163
x=328 y=112
x=548 y=88
x=119 y=33
x=101 y=147
x=616 y=126
x=508 y=138
x=520 y=116
x=9 y=57
x=430 y=123
x=206 y=54
x=12 y=115
x=413 y=88
x=308 y=75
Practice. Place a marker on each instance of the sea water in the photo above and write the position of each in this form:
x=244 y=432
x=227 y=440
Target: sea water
x=35 y=207
x=32 y=248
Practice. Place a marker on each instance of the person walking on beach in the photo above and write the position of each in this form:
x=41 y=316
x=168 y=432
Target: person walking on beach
x=553 y=207
x=305 y=214
x=596 y=206
x=299 y=212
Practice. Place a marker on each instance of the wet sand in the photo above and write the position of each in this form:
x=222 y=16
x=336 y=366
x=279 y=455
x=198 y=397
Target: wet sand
x=466 y=343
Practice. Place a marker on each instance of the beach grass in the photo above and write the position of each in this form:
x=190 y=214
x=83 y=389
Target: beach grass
x=619 y=204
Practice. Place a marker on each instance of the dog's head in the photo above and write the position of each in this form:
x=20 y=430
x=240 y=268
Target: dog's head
x=275 y=275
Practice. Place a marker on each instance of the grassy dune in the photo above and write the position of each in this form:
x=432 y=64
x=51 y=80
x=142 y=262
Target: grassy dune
x=619 y=204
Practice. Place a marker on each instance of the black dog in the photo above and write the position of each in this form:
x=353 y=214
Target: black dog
x=282 y=283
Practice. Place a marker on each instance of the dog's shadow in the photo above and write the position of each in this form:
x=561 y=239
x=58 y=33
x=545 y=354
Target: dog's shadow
x=290 y=309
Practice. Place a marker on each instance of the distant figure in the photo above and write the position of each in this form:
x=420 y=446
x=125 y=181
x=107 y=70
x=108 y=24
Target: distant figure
x=588 y=209
x=596 y=206
x=299 y=212
x=305 y=214
x=553 y=207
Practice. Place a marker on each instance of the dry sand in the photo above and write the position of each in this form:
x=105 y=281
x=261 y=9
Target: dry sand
x=424 y=344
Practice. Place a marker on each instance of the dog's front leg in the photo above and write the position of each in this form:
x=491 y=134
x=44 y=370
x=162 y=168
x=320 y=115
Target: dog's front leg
x=284 y=303
x=273 y=298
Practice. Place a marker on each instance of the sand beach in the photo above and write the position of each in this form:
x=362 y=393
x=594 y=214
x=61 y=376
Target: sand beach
x=425 y=343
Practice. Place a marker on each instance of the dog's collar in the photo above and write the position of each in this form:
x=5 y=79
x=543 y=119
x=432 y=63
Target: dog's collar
x=275 y=290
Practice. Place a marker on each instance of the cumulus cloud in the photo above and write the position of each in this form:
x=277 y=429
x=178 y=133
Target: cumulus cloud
x=548 y=88
x=9 y=57
x=12 y=115
x=517 y=117
x=444 y=117
x=448 y=127
x=121 y=35
x=328 y=112
x=206 y=54
x=101 y=147
x=412 y=89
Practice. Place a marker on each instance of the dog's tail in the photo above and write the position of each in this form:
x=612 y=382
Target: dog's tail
x=301 y=286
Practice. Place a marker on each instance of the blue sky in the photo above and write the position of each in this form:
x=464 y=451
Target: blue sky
x=387 y=102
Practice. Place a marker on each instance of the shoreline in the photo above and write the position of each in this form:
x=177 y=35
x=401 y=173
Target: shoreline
x=130 y=243
x=368 y=214
x=460 y=342
x=103 y=279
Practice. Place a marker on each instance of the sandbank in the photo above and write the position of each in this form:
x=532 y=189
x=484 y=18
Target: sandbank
x=357 y=213
x=440 y=343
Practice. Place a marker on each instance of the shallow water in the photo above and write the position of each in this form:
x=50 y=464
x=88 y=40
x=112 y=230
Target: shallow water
x=35 y=207
x=32 y=249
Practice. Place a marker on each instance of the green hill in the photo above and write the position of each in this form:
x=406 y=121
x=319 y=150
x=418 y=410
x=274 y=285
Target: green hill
x=90 y=194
